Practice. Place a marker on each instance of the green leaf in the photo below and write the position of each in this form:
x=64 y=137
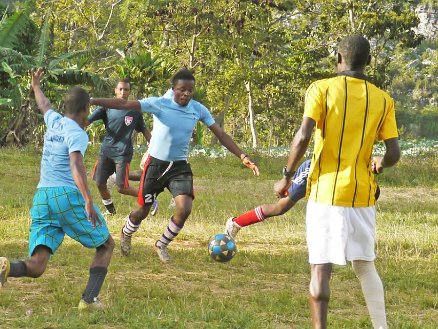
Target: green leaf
x=11 y=27
x=44 y=41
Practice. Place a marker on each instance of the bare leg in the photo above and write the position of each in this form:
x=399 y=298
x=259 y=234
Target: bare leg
x=183 y=208
x=104 y=192
x=37 y=263
x=279 y=208
x=128 y=190
x=320 y=293
x=139 y=214
x=103 y=254
x=135 y=175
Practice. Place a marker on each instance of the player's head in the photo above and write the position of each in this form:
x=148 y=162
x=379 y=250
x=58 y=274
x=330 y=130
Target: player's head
x=183 y=86
x=77 y=102
x=354 y=53
x=123 y=88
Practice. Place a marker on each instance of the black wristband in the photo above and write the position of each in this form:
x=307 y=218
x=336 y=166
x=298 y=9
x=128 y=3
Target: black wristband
x=287 y=173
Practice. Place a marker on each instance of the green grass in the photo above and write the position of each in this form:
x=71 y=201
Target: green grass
x=264 y=286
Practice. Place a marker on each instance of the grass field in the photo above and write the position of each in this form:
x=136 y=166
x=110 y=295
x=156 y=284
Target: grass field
x=264 y=286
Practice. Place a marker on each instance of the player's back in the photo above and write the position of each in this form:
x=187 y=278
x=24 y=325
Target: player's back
x=351 y=118
x=62 y=137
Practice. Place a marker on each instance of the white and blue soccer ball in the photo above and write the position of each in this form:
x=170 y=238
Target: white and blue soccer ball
x=222 y=247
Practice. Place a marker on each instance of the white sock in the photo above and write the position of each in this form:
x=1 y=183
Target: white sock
x=169 y=234
x=372 y=289
x=107 y=201
x=130 y=228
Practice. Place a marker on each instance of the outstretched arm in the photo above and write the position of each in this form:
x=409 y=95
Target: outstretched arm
x=297 y=150
x=80 y=177
x=116 y=103
x=41 y=100
x=229 y=143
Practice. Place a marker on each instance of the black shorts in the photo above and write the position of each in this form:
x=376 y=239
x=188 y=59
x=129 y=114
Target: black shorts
x=105 y=167
x=176 y=176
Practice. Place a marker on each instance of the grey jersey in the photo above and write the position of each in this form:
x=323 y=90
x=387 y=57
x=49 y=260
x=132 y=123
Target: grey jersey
x=120 y=125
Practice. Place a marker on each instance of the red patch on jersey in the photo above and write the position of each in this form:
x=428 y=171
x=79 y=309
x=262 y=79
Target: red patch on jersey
x=128 y=120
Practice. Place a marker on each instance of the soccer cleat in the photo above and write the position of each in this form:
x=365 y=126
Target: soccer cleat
x=110 y=209
x=5 y=266
x=125 y=244
x=162 y=253
x=154 y=208
x=96 y=305
x=231 y=228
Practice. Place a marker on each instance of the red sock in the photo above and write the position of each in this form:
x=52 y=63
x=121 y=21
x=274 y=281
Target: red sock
x=251 y=217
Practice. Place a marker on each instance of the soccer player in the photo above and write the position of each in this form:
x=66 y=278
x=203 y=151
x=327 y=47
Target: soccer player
x=167 y=166
x=116 y=150
x=348 y=113
x=295 y=192
x=62 y=203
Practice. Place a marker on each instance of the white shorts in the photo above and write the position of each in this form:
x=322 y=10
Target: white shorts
x=336 y=234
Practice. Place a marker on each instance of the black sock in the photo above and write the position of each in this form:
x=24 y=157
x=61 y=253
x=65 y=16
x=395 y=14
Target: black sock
x=18 y=269
x=95 y=281
x=111 y=208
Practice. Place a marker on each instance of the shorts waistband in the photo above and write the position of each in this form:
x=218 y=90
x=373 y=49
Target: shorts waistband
x=168 y=162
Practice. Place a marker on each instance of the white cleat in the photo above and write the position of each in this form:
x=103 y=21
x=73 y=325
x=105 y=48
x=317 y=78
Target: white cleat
x=231 y=228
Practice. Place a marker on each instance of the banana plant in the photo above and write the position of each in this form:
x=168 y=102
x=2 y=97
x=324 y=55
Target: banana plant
x=15 y=73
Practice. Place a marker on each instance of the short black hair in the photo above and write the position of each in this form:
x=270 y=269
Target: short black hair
x=355 y=51
x=76 y=100
x=124 y=80
x=183 y=74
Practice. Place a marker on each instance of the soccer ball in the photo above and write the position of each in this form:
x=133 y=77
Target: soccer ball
x=222 y=247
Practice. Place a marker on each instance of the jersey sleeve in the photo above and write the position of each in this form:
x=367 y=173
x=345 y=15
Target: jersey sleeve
x=50 y=116
x=77 y=141
x=98 y=114
x=388 y=128
x=205 y=115
x=313 y=103
x=150 y=105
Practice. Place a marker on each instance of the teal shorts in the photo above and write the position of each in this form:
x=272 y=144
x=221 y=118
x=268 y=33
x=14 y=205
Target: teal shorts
x=57 y=211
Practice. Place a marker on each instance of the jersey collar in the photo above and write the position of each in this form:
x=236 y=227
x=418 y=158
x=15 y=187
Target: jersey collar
x=353 y=74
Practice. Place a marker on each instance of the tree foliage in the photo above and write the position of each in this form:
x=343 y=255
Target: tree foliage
x=253 y=58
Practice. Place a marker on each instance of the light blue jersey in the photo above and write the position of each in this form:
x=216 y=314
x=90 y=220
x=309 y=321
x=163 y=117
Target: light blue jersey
x=173 y=126
x=63 y=136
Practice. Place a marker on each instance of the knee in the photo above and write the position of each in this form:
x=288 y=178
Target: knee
x=319 y=291
x=121 y=189
x=109 y=244
x=36 y=268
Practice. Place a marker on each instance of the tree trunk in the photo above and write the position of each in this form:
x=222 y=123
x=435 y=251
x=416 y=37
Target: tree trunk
x=251 y=114
x=220 y=119
x=21 y=130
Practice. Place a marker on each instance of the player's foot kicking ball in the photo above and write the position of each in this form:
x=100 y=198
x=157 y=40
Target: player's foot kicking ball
x=231 y=228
